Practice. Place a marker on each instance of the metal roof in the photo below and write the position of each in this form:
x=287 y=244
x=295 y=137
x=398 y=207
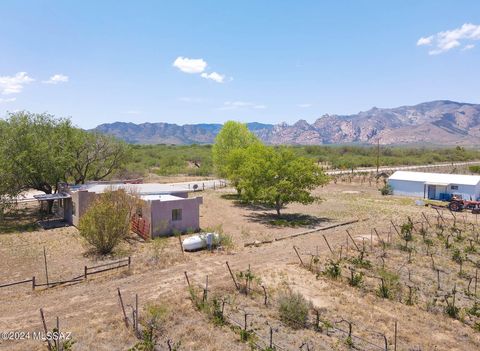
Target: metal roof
x=141 y=189
x=50 y=197
x=441 y=178
x=160 y=197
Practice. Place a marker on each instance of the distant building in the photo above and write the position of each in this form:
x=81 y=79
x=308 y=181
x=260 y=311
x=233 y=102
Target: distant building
x=435 y=186
x=159 y=212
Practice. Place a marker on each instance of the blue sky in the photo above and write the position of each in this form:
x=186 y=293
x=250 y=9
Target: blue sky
x=265 y=61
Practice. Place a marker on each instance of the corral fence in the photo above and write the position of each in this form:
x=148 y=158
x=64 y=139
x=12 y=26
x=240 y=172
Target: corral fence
x=107 y=267
x=125 y=262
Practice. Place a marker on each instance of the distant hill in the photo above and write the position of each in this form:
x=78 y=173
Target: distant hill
x=437 y=122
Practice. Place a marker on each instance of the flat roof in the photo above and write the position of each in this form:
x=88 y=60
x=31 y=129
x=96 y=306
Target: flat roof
x=160 y=197
x=146 y=188
x=439 y=178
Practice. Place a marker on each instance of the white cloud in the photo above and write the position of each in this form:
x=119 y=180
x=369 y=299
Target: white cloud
x=450 y=39
x=5 y=100
x=188 y=65
x=304 y=105
x=14 y=84
x=213 y=76
x=56 y=78
x=468 y=47
x=425 y=41
x=233 y=105
x=197 y=66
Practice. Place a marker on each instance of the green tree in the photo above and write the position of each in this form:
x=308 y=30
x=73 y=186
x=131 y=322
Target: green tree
x=276 y=177
x=474 y=169
x=107 y=221
x=36 y=150
x=233 y=135
x=96 y=156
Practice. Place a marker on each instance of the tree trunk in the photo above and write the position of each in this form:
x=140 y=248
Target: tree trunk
x=278 y=207
x=50 y=206
x=47 y=189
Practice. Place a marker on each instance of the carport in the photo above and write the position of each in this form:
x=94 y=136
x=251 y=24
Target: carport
x=58 y=204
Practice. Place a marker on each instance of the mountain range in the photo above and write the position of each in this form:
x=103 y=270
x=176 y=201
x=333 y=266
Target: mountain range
x=440 y=122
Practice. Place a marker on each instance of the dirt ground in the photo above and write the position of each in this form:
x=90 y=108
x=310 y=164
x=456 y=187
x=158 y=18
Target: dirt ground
x=90 y=310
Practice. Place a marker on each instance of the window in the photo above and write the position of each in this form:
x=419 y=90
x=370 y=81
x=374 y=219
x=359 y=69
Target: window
x=177 y=214
x=454 y=187
x=74 y=209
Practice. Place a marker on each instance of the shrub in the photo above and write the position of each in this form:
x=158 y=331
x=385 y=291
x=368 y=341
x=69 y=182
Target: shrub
x=389 y=284
x=386 y=190
x=356 y=278
x=457 y=256
x=360 y=261
x=157 y=249
x=152 y=323
x=293 y=309
x=333 y=269
x=107 y=220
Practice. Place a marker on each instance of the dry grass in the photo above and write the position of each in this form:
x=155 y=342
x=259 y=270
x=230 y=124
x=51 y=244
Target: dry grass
x=90 y=309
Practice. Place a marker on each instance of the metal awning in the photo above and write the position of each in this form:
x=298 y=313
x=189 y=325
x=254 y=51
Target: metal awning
x=439 y=184
x=50 y=197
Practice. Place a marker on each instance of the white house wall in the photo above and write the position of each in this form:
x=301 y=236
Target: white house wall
x=418 y=189
x=407 y=188
x=466 y=191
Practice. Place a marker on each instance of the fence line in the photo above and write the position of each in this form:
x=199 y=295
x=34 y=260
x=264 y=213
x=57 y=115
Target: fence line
x=21 y=282
x=125 y=262
x=309 y=324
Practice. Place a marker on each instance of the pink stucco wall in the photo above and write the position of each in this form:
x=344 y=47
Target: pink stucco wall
x=161 y=216
x=81 y=201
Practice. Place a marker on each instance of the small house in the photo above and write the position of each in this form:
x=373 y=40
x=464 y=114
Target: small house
x=159 y=212
x=435 y=186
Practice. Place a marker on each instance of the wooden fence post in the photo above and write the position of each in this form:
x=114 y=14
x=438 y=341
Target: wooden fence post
x=298 y=255
x=353 y=241
x=45 y=329
x=395 y=339
x=186 y=277
x=325 y=238
x=136 y=313
x=231 y=274
x=271 y=337
x=205 y=291
x=129 y=261
x=264 y=295
x=85 y=272
x=46 y=267
x=33 y=283
x=125 y=318
x=180 y=242
x=58 y=344
x=476 y=278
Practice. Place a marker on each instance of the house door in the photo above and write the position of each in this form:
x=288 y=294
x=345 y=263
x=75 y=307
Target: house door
x=431 y=191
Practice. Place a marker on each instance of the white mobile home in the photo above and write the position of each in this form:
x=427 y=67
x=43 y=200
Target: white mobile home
x=436 y=186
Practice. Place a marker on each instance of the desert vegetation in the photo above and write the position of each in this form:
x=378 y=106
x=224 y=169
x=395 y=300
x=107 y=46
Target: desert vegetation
x=197 y=160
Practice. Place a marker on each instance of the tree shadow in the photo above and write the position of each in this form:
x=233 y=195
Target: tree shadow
x=21 y=219
x=292 y=220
